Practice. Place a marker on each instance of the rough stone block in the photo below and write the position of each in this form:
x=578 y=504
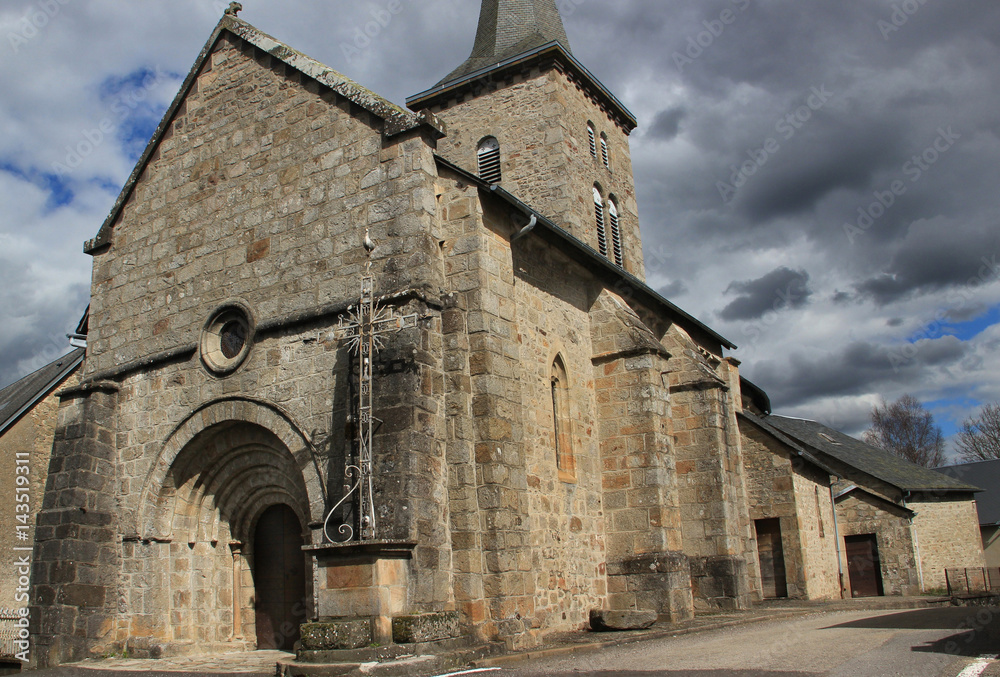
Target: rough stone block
x=337 y=635
x=426 y=627
x=612 y=621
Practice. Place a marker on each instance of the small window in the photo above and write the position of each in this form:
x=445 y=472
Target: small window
x=602 y=235
x=489 y=160
x=592 y=136
x=604 y=151
x=561 y=436
x=616 y=233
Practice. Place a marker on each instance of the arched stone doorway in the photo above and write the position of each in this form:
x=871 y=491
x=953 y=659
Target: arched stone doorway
x=279 y=573
x=226 y=482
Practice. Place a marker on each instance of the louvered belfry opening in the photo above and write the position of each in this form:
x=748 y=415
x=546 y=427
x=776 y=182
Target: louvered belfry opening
x=489 y=161
x=616 y=233
x=602 y=235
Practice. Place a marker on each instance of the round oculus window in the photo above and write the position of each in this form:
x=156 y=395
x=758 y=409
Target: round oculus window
x=226 y=340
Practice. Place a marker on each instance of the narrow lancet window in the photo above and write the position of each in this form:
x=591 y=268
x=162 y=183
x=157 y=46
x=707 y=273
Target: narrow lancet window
x=592 y=137
x=489 y=160
x=602 y=235
x=561 y=433
x=616 y=233
x=605 y=157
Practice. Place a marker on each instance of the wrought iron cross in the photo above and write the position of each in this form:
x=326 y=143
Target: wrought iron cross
x=364 y=330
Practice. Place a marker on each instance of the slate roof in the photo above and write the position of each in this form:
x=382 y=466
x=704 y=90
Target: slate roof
x=18 y=398
x=508 y=28
x=397 y=119
x=874 y=462
x=799 y=449
x=597 y=263
x=985 y=474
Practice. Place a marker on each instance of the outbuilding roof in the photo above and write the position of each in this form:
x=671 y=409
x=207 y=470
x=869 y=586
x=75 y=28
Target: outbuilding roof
x=985 y=474
x=870 y=460
x=18 y=398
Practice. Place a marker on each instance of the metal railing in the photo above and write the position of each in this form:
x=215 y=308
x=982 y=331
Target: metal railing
x=8 y=633
x=972 y=581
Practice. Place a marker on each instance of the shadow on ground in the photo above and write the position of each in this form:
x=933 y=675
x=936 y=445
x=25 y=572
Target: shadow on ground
x=977 y=630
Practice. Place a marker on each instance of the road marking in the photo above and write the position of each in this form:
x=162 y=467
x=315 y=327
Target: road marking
x=977 y=668
x=478 y=670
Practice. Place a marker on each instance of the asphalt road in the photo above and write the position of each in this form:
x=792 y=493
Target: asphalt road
x=924 y=643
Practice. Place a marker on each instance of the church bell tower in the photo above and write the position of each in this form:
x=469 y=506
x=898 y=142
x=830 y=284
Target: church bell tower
x=522 y=112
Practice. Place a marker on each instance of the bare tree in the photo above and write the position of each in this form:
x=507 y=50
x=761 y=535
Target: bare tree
x=979 y=438
x=906 y=429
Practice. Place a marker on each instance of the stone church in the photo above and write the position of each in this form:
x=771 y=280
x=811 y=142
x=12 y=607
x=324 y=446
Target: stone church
x=392 y=371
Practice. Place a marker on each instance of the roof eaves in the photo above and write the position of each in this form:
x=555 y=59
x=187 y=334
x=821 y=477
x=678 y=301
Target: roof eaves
x=554 y=49
x=591 y=256
x=787 y=441
x=861 y=490
x=42 y=393
x=398 y=119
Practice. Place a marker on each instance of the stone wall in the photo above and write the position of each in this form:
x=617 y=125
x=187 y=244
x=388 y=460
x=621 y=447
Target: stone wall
x=547 y=162
x=946 y=531
x=858 y=514
x=817 y=532
x=32 y=435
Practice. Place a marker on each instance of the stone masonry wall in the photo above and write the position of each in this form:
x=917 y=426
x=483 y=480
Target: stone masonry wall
x=547 y=162
x=261 y=193
x=34 y=435
x=946 y=530
x=859 y=514
x=817 y=533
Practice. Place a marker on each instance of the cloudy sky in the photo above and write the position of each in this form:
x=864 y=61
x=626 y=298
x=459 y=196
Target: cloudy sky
x=817 y=180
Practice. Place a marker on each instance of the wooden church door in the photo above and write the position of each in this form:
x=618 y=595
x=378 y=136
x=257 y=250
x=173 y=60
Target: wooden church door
x=279 y=578
x=863 y=565
x=772 y=558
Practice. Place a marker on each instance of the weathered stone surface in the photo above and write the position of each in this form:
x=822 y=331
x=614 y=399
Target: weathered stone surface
x=337 y=635
x=603 y=620
x=426 y=627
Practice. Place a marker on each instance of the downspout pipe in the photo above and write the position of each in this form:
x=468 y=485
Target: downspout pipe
x=836 y=538
x=916 y=543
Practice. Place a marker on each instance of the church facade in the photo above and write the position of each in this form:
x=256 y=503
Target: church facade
x=549 y=435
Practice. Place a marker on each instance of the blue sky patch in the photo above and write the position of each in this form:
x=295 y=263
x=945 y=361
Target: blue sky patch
x=963 y=331
x=60 y=194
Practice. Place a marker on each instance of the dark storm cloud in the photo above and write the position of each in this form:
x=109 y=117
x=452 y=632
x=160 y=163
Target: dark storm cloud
x=936 y=259
x=859 y=368
x=780 y=289
x=666 y=124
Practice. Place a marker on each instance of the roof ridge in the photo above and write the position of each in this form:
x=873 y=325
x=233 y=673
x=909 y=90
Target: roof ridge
x=397 y=118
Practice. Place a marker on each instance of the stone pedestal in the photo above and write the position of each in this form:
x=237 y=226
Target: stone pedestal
x=364 y=580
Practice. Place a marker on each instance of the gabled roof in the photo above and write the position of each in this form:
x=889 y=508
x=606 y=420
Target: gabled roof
x=799 y=450
x=18 y=398
x=508 y=28
x=397 y=119
x=877 y=463
x=855 y=489
x=600 y=265
x=985 y=474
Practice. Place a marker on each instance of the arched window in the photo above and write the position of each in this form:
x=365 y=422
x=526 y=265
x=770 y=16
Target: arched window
x=592 y=137
x=602 y=235
x=561 y=433
x=489 y=160
x=616 y=232
x=604 y=151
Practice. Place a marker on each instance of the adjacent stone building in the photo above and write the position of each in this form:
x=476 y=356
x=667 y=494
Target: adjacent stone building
x=895 y=528
x=534 y=433
x=985 y=474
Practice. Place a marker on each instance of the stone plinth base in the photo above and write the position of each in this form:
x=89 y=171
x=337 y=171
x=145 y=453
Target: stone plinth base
x=363 y=580
x=659 y=582
x=613 y=621
x=720 y=582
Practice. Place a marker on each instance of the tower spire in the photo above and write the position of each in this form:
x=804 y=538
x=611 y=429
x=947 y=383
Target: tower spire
x=508 y=28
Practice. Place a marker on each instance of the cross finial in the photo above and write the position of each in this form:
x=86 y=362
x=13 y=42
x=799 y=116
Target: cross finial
x=234 y=9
